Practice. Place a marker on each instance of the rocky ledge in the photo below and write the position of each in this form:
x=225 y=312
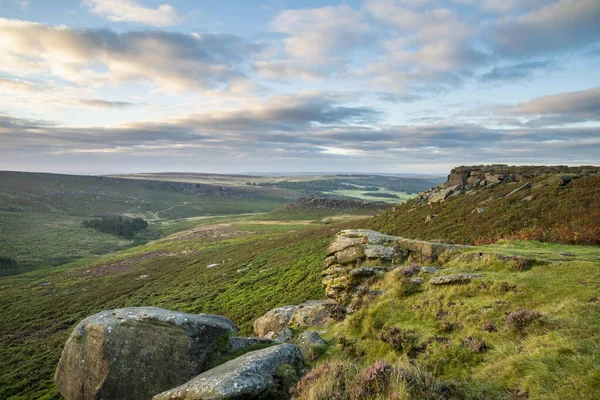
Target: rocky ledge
x=468 y=178
x=359 y=254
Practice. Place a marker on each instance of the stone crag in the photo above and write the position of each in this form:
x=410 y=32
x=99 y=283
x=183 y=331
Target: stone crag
x=358 y=254
x=465 y=179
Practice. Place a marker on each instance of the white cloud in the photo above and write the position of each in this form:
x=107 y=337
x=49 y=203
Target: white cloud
x=132 y=11
x=320 y=32
x=98 y=57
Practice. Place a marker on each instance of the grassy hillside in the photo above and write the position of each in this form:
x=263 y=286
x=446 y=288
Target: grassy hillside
x=341 y=186
x=261 y=266
x=41 y=214
x=546 y=212
x=511 y=334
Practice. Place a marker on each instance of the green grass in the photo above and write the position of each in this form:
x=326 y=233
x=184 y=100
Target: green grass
x=361 y=194
x=41 y=214
x=38 y=317
x=556 y=358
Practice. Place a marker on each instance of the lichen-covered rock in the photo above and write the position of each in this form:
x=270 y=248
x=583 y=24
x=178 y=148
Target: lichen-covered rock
x=349 y=255
x=343 y=242
x=380 y=251
x=274 y=320
x=261 y=374
x=284 y=335
x=372 y=237
x=329 y=261
x=310 y=343
x=135 y=353
x=316 y=313
x=453 y=279
x=366 y=272
x=237 y=343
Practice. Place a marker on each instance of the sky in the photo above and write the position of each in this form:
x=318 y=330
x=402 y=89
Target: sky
x=390 y=86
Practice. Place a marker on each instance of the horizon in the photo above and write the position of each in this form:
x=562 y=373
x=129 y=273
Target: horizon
x=103 y=87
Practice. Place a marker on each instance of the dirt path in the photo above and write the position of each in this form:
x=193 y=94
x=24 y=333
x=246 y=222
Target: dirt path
x=170 y=208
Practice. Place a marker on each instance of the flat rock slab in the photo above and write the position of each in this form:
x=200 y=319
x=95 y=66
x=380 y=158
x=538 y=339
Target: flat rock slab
x=454 y=279
x=135 y=353
x=250 y=376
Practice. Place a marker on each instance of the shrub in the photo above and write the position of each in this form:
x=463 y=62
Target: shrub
x=475 y=345
x=400 y=339
x=410 y=270
x=521 y=318
x=489 y=326
x=373 y=381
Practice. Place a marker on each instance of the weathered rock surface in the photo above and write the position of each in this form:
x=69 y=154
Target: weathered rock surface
x=274 y=320
x=344 y=242
x=380 y=251
x=341 y=281
x=310 y=343
x=453 y=279
x=349 y=255
x=261 y=374
x=237 y=343
x=315 y=313
x=284 y=335
x=135 y=353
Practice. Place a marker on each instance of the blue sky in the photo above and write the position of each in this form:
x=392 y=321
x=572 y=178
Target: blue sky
x=108 y=86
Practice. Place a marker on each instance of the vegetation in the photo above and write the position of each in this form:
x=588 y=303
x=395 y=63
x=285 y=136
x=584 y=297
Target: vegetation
x=548 y=212
x=117 y=225
x=42 y=307
x=527 y=328
x=511 y=334
x=383 y=195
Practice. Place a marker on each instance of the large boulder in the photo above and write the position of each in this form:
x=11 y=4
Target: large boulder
x=261 y=374
x=274 y=320
x=135 y=353
x=316 y=313
x=310 y=313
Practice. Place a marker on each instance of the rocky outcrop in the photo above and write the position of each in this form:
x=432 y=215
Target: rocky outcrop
x=313 y=313
x=355 y=254
x=468 y=178
x=135 y=353
x=258 y=375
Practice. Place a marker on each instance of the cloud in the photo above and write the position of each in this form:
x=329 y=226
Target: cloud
x=132 y=11
x=556 y=27
x=320 y=32
x=564 y=108
x=307 y=127
x=92 y=56
x=514 y=72
x=98 y=103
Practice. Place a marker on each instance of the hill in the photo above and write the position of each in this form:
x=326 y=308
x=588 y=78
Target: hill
x=519 y=322
x=484 y=204
x=41 y=215
x=367 y=187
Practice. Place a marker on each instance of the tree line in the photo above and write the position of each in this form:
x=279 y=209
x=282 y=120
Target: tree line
x=117 y=225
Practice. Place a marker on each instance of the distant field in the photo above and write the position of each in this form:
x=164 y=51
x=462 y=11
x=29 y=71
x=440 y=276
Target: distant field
x=366 y=196
x=41 y=214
